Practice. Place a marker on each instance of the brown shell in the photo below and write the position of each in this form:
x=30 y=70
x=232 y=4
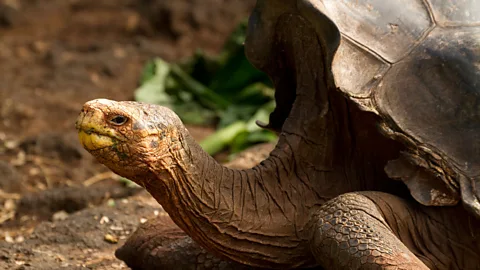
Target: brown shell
x=416 y=63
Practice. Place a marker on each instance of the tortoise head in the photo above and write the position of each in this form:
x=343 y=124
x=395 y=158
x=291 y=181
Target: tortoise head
x=132 y=139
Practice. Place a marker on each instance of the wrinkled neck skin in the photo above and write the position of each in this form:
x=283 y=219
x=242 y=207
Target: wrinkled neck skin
x=261 y=216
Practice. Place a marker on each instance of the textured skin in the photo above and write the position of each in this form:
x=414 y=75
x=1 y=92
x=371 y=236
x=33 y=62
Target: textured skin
x=352 y=234
x=442 y=237
x=280 y=214
x=161 y=244
x=250 y=220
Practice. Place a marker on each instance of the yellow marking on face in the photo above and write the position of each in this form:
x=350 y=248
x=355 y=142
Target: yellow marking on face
x=94 y=141
x=95 y=124
x=93 y=130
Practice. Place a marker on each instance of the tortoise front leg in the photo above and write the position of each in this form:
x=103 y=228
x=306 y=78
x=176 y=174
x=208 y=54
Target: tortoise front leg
x=351 y=233
x=161 y=244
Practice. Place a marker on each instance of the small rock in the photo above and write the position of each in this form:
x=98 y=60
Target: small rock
x=11 y=144
x=111 y=238
x=8 y=238
x=104 y=220
x=34 y=171
x=19 y=262
x=111 y=202
x=116 y=228
x=19 y=239
x=9 y=205
x=59 y=216
x=119 y=53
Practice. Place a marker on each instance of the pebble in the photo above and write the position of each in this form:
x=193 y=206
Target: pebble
x=60 y=215
x=110 y=238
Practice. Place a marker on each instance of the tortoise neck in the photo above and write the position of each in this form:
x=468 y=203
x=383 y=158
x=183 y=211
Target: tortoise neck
x=261 y=215
x=257 y=215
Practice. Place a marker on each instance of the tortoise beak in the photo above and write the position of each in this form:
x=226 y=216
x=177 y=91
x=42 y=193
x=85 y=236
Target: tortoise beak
x=93 y=131
x=79 y=121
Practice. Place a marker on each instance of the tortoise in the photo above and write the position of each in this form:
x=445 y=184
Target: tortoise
x=367 y=93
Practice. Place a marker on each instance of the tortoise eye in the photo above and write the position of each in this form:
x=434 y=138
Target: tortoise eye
x=118 y=120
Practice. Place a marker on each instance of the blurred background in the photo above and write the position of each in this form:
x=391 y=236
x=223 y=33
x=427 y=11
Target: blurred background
x=57 y=54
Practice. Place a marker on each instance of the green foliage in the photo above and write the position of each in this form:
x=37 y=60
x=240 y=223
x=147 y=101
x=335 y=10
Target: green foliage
x=225 y=90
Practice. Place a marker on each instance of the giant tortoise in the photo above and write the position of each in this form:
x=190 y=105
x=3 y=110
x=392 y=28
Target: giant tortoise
x=378 y=160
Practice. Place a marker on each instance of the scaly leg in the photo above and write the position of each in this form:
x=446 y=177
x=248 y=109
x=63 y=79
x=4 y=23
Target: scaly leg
x=351 y=233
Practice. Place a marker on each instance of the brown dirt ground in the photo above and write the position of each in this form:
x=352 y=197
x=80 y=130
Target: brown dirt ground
x=59 y=206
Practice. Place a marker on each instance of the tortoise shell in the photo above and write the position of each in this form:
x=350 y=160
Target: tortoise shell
x=416 y=63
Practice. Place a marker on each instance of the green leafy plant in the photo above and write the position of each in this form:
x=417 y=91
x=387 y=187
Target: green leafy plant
x=223 y=90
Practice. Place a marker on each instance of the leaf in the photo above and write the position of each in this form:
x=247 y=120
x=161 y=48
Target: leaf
x=128 y=183
x=233 y=113
x=148 y=71
x=262 y=115
x=256 y=93
x=239 y=143
x=153 y=89
x=201 y=66
x=237 y=73
x=206 y=89
x=194 y=113
x=223 y=137
x=246 y=138
x=253 y=133
x=234 y=42
x=261 y=136
x=204 y=94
